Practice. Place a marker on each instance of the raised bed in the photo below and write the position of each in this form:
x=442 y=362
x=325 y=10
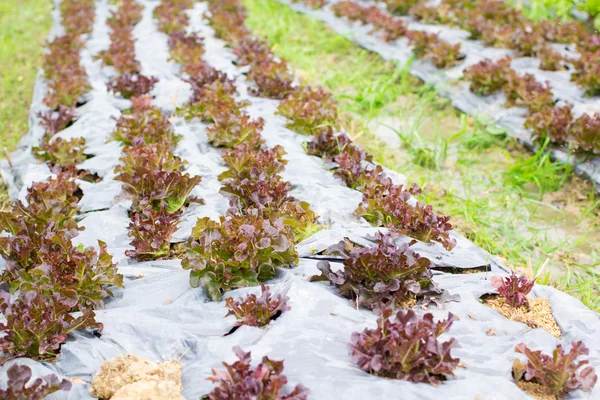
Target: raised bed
x=157 y=315
x=449 y=84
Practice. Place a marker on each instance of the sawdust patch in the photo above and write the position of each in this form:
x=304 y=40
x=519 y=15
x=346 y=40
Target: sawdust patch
x=133 y=378
x=537 y=315
x=536 y=390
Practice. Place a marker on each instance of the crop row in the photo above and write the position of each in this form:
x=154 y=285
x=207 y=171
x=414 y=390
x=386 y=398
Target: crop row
x=46 y=278
x=496 y=24
x=385 y=275
x=262 y=225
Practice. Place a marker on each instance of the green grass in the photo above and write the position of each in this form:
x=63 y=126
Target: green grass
x=24 y=26
x=23 y=29
x=522 y=208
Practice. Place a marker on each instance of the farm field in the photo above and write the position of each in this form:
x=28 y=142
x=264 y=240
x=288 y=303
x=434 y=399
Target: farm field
x=518 y=207
x=243 y=199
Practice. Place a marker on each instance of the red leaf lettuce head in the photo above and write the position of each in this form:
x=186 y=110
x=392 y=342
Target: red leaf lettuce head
x=514 y=288
x=406 y=347
x=239 y=381
x=20 y=385
x=557 y=374
x=381 y=275
x=257 y=311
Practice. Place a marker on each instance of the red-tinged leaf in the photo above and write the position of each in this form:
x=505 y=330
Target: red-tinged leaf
x=385 y=274
x=20 y=386
x=514 y=289
x=558 y=374
x=211 y=252
x=309 y=109
x=406 y=347
x=257 y=311
x=487 y=77
x=239 y=381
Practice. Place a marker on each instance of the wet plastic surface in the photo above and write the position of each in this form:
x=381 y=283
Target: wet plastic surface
x=158 y=316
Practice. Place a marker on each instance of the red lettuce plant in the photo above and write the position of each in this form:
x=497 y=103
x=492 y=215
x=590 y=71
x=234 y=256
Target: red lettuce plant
x=272 y=78
x=400 y=7
x=128 y=14
x=526 y=91
x=298 y=216
x=588 y=43
x=227 y=19
x=213 y=103
x=77 y=16
x=514 y=289
x=587 y=72
x=428 y=14
x=349 y=10
x=251 y=50
x=257 y=311
x=308 y=109
x=245 y=162
x=388 y=205
x=389 y=28
x=132 y=84
x=430 y=46
x=232 y=130
x=406 y=347
x=80 y=275
x=186 y=49
x=152 y=174
x=144 y=125
x=566 y=32
x=356 y=175
x=488 y=76
x=585 y=133
x=204 y=78
x=558 y=374
x=66 y=77
x=269 y=192
x=171 y=15
x=121 y=52
x=237 y=251
x=240 y=382
x=551 y=122
x=20 y=386
x=382 y=275
x=151 y=231
x=312 y=3
x=37 y=324
x=550 y=60
x=51 y=206
x=496 y=35
x=55 y=121
x=61 y=152
x=528 y=40
x=326 y=144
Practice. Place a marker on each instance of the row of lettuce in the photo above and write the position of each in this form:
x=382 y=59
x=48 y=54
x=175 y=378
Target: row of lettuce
x=258 y=233
x=405 y=345
x=496 y=24
x=49 y=286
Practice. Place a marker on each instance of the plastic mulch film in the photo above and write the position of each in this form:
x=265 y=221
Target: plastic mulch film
x=447 y=82
x=160 y=317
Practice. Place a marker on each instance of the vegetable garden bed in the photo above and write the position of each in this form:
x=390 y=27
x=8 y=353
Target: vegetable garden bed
x=219 y=174
x=544 y=71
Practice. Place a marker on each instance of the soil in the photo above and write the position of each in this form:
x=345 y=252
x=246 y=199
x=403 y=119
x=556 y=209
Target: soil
x=537 y=315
